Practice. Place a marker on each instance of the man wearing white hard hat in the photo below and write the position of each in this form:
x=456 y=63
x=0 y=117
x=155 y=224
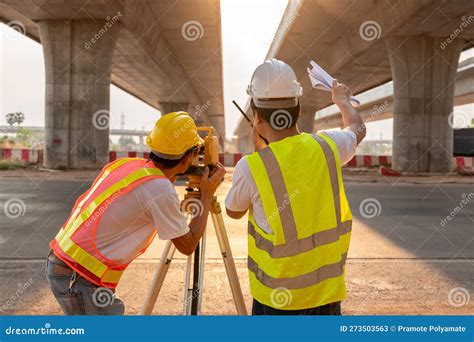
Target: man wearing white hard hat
x=299 y=222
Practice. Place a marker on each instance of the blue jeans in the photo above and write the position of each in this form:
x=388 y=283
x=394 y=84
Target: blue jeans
x=78 y=296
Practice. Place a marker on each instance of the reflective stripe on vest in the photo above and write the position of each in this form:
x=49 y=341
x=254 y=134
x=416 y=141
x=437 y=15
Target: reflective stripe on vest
x=333 y=242
x=81 y=215
x=293 y=245
x=100 y=179
x=306 y=280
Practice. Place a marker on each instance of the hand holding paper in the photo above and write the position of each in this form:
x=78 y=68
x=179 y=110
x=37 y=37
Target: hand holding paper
x=320 y=79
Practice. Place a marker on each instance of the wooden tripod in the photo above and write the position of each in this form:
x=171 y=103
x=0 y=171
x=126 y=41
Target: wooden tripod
x=193 y=294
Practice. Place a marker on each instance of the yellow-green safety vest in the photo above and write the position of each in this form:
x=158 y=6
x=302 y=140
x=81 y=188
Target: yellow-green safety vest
x=301 y=264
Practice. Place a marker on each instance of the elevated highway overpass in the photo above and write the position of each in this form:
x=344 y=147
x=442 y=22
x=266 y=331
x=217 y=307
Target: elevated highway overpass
x=166 y=53
x=381 y=107
x=40 y=130
x=368 y=43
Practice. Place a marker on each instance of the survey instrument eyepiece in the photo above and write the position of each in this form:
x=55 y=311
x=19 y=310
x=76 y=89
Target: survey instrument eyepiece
x=208 y=155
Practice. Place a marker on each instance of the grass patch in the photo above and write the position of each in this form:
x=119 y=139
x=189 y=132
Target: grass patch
x=11 y=165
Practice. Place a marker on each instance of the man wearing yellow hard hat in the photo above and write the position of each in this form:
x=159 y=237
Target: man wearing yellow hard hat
x=116 y=219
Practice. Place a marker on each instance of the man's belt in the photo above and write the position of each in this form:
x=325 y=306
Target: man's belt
x=59 y=267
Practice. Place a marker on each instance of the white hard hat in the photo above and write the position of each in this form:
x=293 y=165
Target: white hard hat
x=274 y=80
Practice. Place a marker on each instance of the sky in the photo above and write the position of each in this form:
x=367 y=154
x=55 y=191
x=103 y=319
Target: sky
x=244 y=48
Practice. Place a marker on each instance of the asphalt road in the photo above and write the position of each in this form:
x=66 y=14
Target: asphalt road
x=405 y=256
x=412 y=217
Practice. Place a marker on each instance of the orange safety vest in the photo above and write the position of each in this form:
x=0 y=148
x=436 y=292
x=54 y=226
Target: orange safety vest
x=75 y=243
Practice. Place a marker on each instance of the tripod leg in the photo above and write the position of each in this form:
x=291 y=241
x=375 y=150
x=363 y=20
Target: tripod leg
x=188 y=291
x=193 y=295
x=201 y=271
x=158 y=278
x=195 y=289
x=226 y=252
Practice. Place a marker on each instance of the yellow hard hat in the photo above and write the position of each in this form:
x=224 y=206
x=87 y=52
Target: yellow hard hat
x=173 y=134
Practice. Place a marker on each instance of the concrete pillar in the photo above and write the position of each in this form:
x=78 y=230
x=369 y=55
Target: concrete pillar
x=305 y=121
x=245 y=144
x=423 y=87
x=78 y=56
x=168 y=107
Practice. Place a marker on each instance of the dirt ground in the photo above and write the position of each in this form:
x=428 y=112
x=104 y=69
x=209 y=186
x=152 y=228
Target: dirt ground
x=382 y=277
x=375 y=287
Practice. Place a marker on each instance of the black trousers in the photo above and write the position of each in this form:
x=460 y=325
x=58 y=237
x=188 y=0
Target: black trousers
x=328 y=309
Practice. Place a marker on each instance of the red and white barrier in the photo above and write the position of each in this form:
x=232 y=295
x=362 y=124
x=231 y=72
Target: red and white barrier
x=127 y=154
x=465 y=165
x=229 y=159
x=21 y=154
x=367 y=161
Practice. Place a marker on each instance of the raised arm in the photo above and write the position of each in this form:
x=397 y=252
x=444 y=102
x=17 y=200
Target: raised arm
x=350 y=116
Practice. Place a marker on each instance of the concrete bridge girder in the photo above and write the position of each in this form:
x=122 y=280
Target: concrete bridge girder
x=151 y=57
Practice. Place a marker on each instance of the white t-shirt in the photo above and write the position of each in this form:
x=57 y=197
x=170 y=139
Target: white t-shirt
x=244 y=193
x=129 y=223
